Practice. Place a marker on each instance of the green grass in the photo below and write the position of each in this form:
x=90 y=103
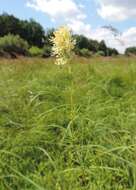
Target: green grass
x=69 y=128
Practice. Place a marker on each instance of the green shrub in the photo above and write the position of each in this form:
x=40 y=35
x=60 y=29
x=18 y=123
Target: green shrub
x=35 y=51
x=100 y=53
x=83 y=52
x=47 y=50
x=13 y=44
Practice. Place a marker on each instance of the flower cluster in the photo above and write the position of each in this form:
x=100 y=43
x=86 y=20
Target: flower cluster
x=63 y=44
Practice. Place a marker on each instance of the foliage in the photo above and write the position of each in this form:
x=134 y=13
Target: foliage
x=81 y=42
x=83 y=52
x=9 y=24
x=100 y=53
x=35 y=51
x=102 y=47
x=49 y=34
x=34 y=34
x=47 y=51
x=53 y=139
x=30 y=30
x=13 y=44
x=107 y=52
x=93 y=46
x=112 y=52
x=63 y=44
x=130 y=51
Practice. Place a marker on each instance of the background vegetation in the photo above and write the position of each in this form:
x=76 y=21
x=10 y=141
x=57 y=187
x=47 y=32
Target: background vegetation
x=13 y=44
x=130 y=51
x=37 y=37
x=63 y=129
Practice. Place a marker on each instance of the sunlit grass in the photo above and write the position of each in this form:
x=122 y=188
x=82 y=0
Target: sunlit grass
x=68 y=131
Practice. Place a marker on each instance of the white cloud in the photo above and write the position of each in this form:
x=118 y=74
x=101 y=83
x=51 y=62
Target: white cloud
x=120 y=42
x=117 y=10
x=80 y=27
x=111 y=41
x=72 y=14
x=58 y=9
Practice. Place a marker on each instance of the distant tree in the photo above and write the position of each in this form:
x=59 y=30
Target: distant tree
x=103 y=47
x=93 y=45
x=31 y=31
x=130 y=50
x=9 y=24
x=47 y=49
x=112 y=52
x=48 y=36
x=81 y=42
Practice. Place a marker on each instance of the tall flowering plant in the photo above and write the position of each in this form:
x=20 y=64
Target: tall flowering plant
x=63 y=44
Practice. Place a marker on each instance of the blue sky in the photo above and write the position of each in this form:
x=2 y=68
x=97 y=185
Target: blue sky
x=20 y=9
x=83 y=16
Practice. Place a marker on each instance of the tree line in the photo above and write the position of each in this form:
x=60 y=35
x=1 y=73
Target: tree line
x=38 y=40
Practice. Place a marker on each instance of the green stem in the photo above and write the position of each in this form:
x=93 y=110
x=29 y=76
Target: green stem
x=71 y=94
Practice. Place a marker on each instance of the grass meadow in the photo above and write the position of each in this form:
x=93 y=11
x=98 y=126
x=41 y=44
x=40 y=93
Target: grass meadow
x=70 y=127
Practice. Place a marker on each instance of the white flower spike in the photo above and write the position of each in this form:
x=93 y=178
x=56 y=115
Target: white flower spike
x=63 y=44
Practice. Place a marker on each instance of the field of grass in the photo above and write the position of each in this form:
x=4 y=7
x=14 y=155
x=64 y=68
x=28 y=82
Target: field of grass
x=68 y=128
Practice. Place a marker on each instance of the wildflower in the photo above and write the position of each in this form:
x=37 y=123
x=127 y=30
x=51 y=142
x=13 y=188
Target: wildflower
x=63 y=44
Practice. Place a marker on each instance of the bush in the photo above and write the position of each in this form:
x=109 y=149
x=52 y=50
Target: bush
x=47 y=51
x=83 y=52
x=35 y=51
x=13 y=44
x=100 y=53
